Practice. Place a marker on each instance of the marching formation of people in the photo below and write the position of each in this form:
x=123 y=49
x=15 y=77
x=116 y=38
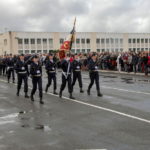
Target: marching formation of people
x=26 y=66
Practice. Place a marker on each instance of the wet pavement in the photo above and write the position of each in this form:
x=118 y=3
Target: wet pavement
x=120 y=120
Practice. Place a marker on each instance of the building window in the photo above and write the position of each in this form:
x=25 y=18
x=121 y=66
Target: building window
x=20 y=51
x=38 y=41
x=116 y=41
x=88 y=41
x=26 y=51
x=61 y=41
x=146 y=40
x=32 y=51
x=138 y=40
x=32 y=41
x=112 y=41
x=88 y=50
x=39 y=51
x=44 y=41
x=103 y=50
x=83 y=41
x=83 y=50
x=116 y=50
x=44 y=51
x=130 y=41
x=121 y=49
x=130 y=49
x=138 y=49
x=134 y=49
x=142 y=40
x=134 y=41
x=19 y=41
x=50 y=41
x=121 y=41
x=98 y=50
x=73 y=50
x=78 y=41
x=26 y=41
x=5 y=42
x=102 y=41
x=97 y=41
x=142 y=49
x=107 y=41
x=78 y=50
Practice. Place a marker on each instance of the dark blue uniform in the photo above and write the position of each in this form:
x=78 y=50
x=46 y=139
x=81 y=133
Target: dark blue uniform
x=51 y=72
x=36 y=74
x=94 y=76
x=22 y=74
x=66 y=77
x=10 y=63
x=76 y=65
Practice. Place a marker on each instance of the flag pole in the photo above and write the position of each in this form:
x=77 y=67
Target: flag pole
x=72 y=35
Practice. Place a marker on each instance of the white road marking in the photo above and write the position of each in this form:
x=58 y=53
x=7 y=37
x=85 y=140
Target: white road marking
x=118 y=89
x=99 y=107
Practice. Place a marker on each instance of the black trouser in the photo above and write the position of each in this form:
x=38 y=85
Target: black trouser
x=134 y=68
x=37 y=81
x=4 y=69
x=22 y=77
x=94 y=76
x=1 y=68
x=64 y=81
x=11 y=72
x=77 y=75
x=52 y=76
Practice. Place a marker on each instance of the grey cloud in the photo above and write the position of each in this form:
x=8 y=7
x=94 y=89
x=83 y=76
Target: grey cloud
x=92 y=15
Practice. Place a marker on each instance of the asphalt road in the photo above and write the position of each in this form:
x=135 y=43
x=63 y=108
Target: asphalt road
x=120 y=120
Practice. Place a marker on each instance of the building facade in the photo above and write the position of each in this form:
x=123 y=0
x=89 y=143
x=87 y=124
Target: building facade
x=43 y=42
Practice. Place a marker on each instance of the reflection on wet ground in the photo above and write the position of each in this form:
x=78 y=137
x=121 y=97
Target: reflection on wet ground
x=27 y=121
x=127 y=80
x=24 y=120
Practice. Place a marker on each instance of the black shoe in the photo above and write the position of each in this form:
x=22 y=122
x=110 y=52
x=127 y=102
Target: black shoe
x=88 y=92
x=26 y=95
x=41 y=101
x=71 y=97
x=99 y=94
x=17 y=93
x=60 y=94
x=81 y=91
x=13 y=81
x=55 y=93
x=32 y=98
x=46 y=89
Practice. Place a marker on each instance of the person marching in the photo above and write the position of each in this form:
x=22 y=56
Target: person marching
x=51 y=72
x=66 y=66
x=94 y=75
x=22 y=74
x=36 y=75
x=76 y=64
x=10 y=62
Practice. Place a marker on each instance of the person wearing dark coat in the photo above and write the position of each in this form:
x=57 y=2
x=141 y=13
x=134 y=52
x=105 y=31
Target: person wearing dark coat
x=22 y=75
x=94 y=75
x=76 y=64
x=66 y=67
x=36 y=75
x=50 y=67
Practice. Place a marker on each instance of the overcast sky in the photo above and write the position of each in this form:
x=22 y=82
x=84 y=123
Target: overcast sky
x=92 y=15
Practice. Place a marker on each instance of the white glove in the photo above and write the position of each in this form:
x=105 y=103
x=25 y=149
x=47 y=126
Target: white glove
x=96 y=67
x=23 y=68
x=38 y=71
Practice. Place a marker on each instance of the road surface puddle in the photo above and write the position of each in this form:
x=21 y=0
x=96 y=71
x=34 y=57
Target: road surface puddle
x=8 y=119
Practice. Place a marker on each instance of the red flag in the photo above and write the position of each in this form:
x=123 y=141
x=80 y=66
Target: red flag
x=67 y=44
